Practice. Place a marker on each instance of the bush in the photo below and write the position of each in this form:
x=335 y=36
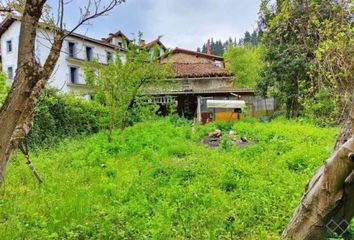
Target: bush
x=140 y=111
x=323 y=108
x=61 y=115
x=4 y=88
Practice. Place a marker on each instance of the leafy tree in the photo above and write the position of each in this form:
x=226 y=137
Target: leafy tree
x=118 y=84
x=308 y=64
x=246 y=63
x=308 y=47
x=323 y=108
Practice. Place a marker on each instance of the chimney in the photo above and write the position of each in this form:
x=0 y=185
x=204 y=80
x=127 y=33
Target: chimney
x=142 y=43
x=208 y=47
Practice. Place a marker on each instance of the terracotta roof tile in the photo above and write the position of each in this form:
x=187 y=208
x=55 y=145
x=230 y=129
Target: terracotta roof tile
x=199 y=70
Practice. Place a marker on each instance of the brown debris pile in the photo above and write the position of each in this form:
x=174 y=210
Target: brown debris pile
x=214 y=139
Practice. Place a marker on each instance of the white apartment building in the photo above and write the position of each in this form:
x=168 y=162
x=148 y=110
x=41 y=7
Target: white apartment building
x=68 y=75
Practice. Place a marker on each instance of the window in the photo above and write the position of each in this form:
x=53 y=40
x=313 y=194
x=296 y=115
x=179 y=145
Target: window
x=74 y=75
x=109 y=57
x=89 y=53
x=218 y=63
x=120 y=44
x=72 y=49
x=10 y=73
x=9 y=46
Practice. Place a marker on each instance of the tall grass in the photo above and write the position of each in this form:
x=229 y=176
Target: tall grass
x=157 y=181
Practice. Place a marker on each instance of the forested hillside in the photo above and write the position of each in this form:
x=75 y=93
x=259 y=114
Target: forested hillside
x=219 y=47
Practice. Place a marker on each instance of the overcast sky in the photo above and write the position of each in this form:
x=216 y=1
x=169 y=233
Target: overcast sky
x=182 y=23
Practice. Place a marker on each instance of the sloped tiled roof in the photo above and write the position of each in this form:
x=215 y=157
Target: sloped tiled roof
x=156 y=41
x=197 y=54
x=199 y=70
x=117 y=34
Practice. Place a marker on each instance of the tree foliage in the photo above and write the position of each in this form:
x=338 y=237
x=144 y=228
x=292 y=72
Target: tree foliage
x=253 y=38
x=119 y=83
x=219 y=47
x=59 y=116
x=246 y=63
x=309 y=46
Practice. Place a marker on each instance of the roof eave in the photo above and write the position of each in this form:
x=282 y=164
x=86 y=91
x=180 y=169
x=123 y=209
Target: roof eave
x=10 y=20
x=6 y=24
x=210 y=56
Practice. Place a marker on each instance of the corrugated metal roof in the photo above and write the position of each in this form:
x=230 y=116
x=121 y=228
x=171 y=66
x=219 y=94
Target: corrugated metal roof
x=225 y=103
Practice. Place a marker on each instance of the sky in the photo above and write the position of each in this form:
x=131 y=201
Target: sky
x=182 y=23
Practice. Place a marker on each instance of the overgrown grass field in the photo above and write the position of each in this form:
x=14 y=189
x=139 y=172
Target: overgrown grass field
x=157 y=181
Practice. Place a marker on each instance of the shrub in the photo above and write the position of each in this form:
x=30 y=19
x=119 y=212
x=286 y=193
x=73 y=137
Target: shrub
x=4 y=88
x=323 y=108
x=61 y=115
x=140 y=111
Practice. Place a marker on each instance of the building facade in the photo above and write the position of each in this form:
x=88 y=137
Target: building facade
x=201 y=77
x=68 y=75
x=198 y=76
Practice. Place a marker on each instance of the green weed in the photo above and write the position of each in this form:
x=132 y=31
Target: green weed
x=157 y=181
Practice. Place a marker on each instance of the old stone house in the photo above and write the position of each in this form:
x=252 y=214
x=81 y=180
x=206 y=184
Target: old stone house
x=200 y=77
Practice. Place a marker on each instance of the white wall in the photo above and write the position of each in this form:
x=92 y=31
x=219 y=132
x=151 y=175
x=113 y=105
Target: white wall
x=60 y=78
x=119 y=41
x=10 y=59
x=161 y=51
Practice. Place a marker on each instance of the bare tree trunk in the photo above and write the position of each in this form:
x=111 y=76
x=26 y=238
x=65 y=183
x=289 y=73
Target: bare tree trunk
x=329 y=197
x=16 y=114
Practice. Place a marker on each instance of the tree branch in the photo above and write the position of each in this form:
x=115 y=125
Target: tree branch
x=87 y=15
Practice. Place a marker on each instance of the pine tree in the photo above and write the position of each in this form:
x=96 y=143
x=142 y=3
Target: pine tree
x=204 y=48
x=247 y=38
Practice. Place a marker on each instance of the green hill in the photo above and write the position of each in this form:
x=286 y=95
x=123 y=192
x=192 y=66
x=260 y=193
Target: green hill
x=157 y=181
